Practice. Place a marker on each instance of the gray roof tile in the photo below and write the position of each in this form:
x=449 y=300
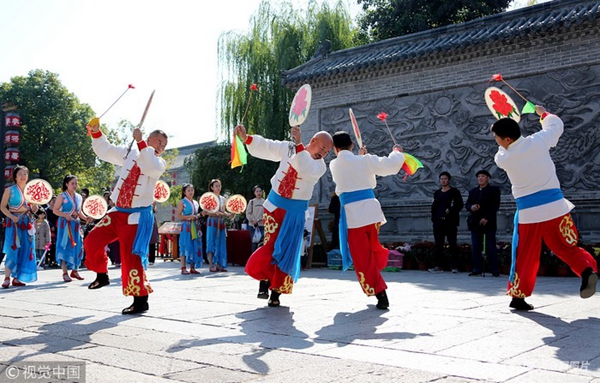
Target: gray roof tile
x=555 y=15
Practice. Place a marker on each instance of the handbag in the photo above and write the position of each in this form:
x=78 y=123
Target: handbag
x=257 y=236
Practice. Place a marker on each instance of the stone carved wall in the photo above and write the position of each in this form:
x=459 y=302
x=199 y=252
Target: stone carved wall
x=448 y=130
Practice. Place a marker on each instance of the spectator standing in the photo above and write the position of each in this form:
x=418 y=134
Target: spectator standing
x=42 y=234
x=445 y=215
x=483 y=204
x=255 y=213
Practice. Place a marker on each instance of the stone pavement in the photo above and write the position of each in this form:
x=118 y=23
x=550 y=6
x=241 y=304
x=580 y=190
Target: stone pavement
x=211 y=328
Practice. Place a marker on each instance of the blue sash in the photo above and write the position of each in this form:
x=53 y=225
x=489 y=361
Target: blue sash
x=346 y=198
x=532 y=200
x=288 y=245
x=141 y=243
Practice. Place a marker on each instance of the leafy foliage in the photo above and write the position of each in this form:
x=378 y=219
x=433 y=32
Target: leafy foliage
x=384 y=19
x=175 y=195
x=209 y=163
x=278 y=39
x=53 y=134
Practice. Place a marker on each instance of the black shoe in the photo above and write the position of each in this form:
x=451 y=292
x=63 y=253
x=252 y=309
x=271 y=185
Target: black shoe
x=520 y=304
x=140 y=304
x=495 y=274
x=475 y=274
x=589 y=279
x=101 y=281
x=263 y=289
x=382 y=301
x=274 y=301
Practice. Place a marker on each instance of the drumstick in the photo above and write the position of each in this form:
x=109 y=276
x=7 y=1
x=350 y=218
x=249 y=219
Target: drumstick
x=141 y=122
x=383 y=117
x=113 y=104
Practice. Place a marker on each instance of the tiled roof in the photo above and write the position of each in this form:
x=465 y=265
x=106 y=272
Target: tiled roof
x=545 y=17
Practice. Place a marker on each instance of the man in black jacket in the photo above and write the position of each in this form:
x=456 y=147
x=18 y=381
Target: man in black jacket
x=445 y=211
x=483 y=204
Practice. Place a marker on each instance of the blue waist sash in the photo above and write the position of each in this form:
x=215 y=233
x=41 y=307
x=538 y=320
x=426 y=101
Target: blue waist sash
x=346 y=198
x=532 y=200
x=141 y=243
x=288 y=245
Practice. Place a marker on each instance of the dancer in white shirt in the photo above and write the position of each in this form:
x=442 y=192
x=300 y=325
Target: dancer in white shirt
x=361 y=215
x=132 y=219
x=542 y=211
x=276 y=264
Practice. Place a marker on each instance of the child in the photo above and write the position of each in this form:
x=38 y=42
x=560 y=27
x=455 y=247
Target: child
x=42 y=234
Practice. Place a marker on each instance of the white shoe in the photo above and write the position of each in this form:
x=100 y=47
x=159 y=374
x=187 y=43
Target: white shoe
x=454 y=271
x=436 y=270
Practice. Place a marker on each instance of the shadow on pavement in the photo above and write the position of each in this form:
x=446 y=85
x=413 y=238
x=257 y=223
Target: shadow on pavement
x=348 y=328
x=262 y=329
x=576 y=342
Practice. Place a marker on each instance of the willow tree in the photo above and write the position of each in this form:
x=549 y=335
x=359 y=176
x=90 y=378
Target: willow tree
x=279 y=38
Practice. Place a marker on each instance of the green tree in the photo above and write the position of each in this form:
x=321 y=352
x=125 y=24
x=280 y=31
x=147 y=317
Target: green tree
x=208 y=163
x=384 y=19
x=279 y=38
x=53 y=133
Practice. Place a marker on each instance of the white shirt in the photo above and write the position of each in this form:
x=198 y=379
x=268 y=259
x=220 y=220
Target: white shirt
x=297 y=173
x=151 y=167
x=354 y=172
x=530 y=169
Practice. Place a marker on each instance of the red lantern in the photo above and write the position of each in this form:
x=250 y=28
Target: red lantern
x=8 y=172
x=12 y=137
x=12 y=120
x=12 y=155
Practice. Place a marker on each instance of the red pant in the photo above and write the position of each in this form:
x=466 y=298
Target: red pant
x=560 y=235
x=114 y=226
x=369 y=258
x=260 y=265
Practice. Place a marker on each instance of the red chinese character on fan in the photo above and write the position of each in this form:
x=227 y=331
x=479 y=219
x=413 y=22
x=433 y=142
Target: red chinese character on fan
x=95 y=208
x=236 y=204
x=209 y=202
x=160 y=192
x=38 y=192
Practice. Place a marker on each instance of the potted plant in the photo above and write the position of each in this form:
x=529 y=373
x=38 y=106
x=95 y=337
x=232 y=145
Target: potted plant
x=504 y=257
x=422 y=254
x=465 y=257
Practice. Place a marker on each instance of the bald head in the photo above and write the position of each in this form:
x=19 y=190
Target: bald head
x=320 y=145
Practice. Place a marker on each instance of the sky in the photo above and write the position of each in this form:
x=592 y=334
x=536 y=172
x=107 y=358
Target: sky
x=99 y=47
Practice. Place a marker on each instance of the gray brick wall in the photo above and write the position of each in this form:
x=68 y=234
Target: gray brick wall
x=559 y=70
